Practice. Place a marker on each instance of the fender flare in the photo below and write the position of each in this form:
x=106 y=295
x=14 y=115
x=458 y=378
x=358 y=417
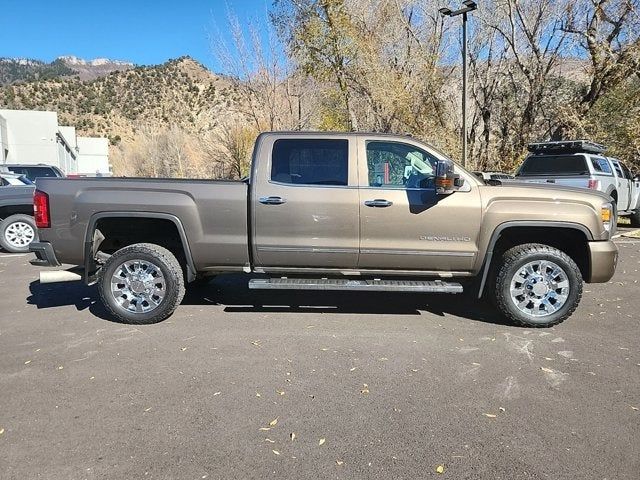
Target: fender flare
x=495 y=236
x=91 y=229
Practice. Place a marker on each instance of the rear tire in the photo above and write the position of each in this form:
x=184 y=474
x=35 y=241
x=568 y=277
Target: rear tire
x=141 y=284
x=537 y=285
x=17 y=232
x=635 y=218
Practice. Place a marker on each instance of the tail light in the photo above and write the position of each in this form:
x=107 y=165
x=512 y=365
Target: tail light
x=41 y=209
x=594 y=184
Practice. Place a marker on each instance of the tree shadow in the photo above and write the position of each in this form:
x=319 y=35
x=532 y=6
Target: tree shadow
x=233 y=294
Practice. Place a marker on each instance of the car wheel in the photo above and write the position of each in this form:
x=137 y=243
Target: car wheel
x=141 y=284
x=537 y=285
x=635 y=218
x=17 y=232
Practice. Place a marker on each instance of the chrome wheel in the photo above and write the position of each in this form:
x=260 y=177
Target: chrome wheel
x=138 y=286
x=19 y=234
x=539 y=288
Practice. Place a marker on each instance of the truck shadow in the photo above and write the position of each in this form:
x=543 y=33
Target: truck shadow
x=232 y=293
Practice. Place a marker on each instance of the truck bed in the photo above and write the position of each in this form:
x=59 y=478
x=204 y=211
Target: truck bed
x=214 y=212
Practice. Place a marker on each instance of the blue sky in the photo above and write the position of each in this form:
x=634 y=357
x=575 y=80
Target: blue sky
x=141 y=31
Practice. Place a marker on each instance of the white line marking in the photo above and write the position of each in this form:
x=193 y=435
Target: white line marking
x=14 y=255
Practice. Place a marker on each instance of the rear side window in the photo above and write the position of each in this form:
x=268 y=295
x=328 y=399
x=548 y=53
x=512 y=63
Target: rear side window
x=616 y=165
x=310 y=162
x=600 y=165
x=34 y=172
x=554 y=165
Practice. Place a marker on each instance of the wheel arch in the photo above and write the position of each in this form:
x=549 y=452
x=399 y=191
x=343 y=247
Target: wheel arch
x=517 y=229
x=94 y=238
x=21 y=208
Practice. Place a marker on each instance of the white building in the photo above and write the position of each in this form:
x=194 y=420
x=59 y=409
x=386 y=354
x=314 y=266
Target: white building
x=93 y=156
x=33 y=137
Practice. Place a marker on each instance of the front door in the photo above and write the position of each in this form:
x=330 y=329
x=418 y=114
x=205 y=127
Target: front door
x=404 y=225
x=305 y=204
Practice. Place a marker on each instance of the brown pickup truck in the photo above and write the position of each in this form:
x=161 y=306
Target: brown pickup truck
x=329 y=211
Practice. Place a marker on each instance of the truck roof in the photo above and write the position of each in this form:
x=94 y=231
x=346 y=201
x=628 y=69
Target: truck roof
x=566 y=146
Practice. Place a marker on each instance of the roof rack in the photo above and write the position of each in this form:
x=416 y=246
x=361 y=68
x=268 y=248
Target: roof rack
x=567 y=146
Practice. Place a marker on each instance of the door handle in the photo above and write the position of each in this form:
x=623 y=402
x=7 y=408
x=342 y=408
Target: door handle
x=378 y=202
x=272 y=200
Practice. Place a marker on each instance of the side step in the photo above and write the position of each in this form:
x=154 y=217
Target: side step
x=422 y=286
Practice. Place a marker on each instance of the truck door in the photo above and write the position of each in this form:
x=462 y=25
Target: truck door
x=305 y=202
x=404 y=225
x=623 y=186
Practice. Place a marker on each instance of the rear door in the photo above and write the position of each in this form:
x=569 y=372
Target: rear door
x=305 y=203
x=623 y=186
x=404 y=225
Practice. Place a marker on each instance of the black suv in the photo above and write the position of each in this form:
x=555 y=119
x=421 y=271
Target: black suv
x=34 y=171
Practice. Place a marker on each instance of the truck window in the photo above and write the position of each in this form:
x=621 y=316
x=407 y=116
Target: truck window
x=399 y=165
x=616 y=165
x=601 y=165
x=554 y=165
x=310 y=162
x=627 y=172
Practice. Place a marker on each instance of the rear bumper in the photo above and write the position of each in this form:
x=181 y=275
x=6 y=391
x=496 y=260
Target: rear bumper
x=603 y=257
x=45 y=256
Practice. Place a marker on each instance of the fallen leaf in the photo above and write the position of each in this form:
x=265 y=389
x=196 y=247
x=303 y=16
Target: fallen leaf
x=548 y=370
x=183 y=348
x=502 y=409
x=256 y=343
x=280 y=392
x=265 y=429
x=258 y=395
x=1 y=431
x=217 y=393
x=440 y=469
x=383 y=359
x=339 y=462
x=27 y=362
x=321 y=442
x=147 y=409
x=365 y=390
x=634 y=408
x=489 y=415
x=269 y=440
x=60 y=367
x=276 y=452
x=273 y=422
x=352 y=369
x=293 y=436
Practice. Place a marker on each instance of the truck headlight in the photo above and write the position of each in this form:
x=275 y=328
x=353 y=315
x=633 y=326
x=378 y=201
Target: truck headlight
x=607 y=215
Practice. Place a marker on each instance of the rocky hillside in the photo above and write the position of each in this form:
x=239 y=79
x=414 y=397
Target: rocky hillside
x=180 y=92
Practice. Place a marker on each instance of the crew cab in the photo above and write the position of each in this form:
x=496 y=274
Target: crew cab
x=330 y=211
x=583 y=164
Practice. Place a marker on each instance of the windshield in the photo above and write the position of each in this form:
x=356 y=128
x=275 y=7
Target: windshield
x=553 y=165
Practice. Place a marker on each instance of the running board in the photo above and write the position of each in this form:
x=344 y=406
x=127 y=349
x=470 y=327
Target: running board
x=422 y=286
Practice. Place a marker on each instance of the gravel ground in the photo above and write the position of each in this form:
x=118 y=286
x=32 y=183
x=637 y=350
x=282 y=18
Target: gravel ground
x=239 y=384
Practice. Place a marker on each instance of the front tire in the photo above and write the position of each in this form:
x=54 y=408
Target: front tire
x=635 y=218
x=17 y=232
x=141 y=284
x=537 y=285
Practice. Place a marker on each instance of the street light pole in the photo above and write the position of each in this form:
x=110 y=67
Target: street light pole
x=469 y=6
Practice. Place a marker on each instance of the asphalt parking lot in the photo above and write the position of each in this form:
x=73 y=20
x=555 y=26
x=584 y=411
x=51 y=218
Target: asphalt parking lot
x=289 y=385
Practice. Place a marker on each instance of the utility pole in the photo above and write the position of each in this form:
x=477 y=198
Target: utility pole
x=469 y=6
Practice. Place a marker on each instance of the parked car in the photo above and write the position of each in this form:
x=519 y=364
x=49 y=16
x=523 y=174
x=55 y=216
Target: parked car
x=582 y=164
x=329 y=211
x=35 y=171
x=17 y=226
